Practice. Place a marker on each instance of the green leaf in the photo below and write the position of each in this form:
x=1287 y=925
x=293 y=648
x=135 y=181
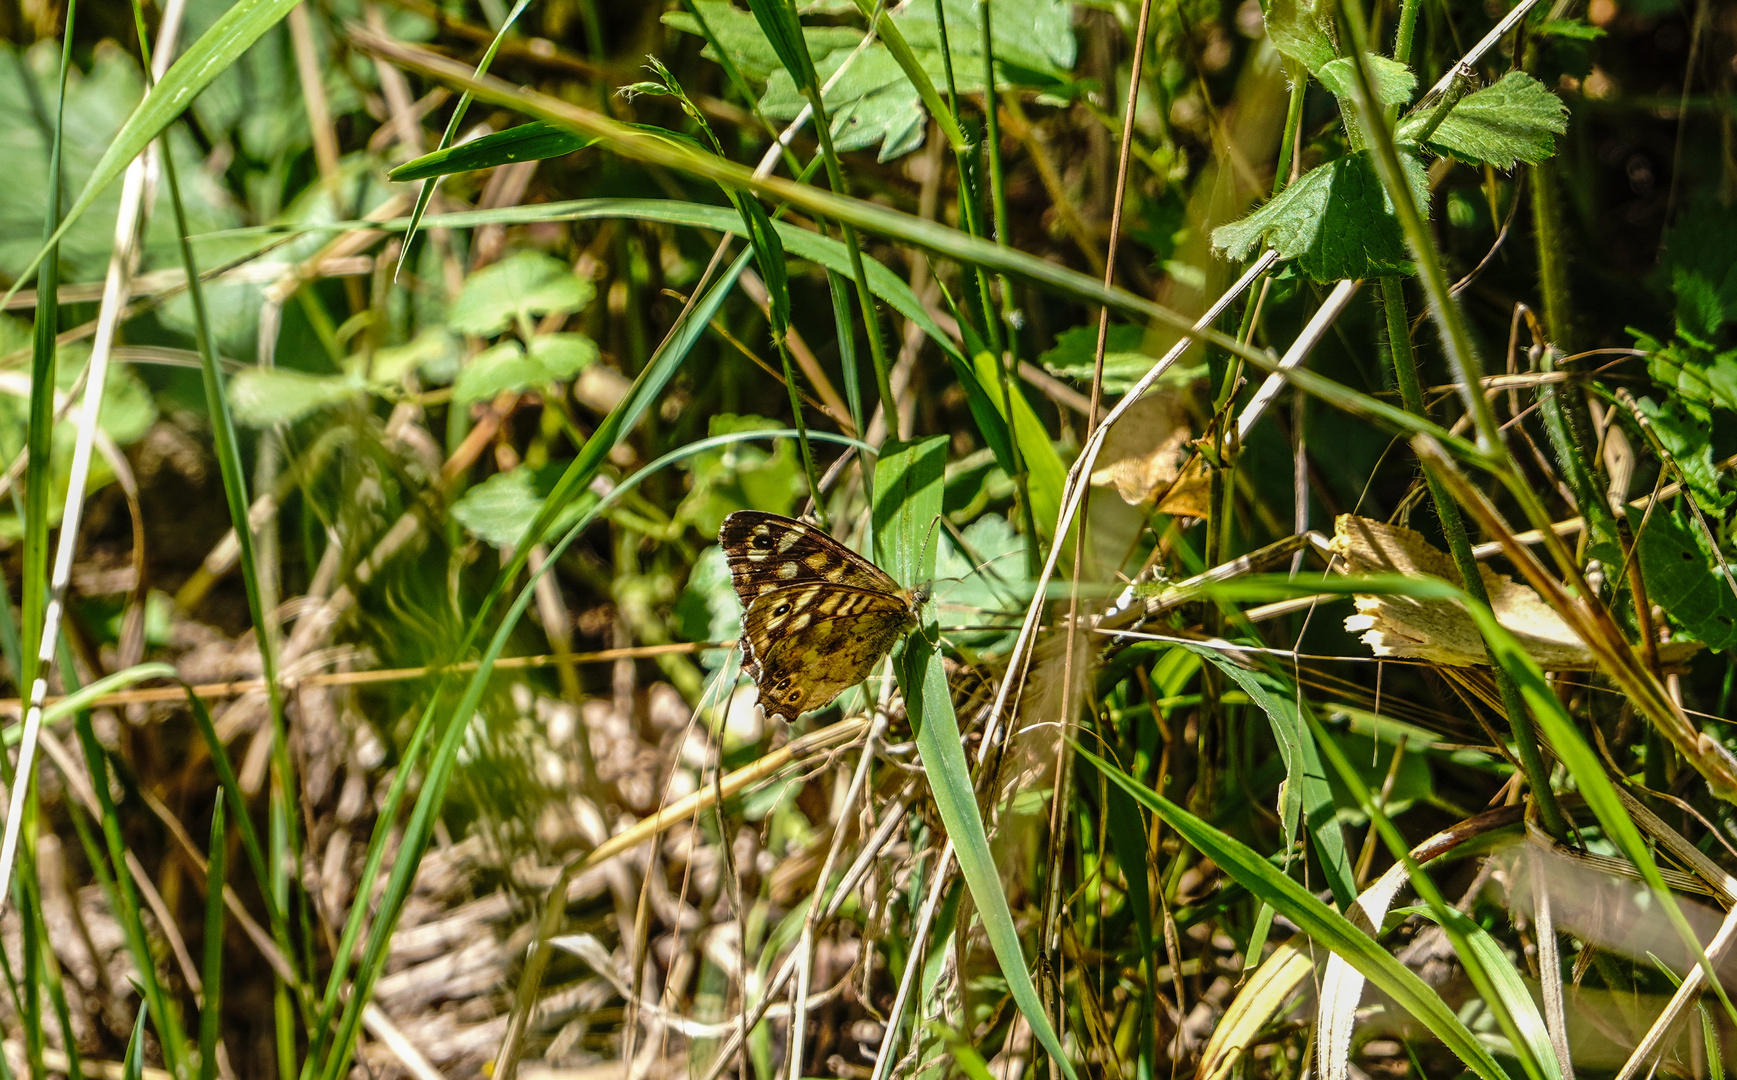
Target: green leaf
x=1335 y=220
x=1574 y=29
x=1515 y=120
x=1125 y=358
x=501 y=508
x=1509 y=986
x=521 y=286
x=1683 y=577
x=266 y=397
x=1701 y=252
x=874 y=101
x=1302 y=30
x=738 y=32
x=1394 y=82
x=1306 y=791
x=230 y=36
x=552 y=357
x=739 y=475
x=1685 y=430
x=527 y=142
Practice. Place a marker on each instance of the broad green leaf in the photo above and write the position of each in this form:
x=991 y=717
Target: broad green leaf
x=98 y=101
x=1125 y=358
x=520 y=287
x=507 y=366
x=265 y=397
x=527 y=142
x=433 y=352
x=1335 y=220
x=1685 y=430
x=1302 y=30
x=1394 y=82
x=1515 y=120
x=1701 y=252
x=1577 y=29
x=204 y=60
x=874 y=101
x=501 y=508
x=739 y=475
x=1684 y=578
x=982 y=585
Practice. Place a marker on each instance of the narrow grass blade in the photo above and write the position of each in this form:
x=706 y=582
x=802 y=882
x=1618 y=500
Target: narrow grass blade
x=211 y=974
x=908 y=493
x=527 y=142
x=1329 y=928
x=1510 y=987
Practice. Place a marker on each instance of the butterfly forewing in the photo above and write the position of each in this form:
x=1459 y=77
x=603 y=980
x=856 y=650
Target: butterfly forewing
x=817 y=617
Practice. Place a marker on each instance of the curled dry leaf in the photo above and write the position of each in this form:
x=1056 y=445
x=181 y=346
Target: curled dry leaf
x=1144 y=452
x=1191 y=494
x=1440 y=631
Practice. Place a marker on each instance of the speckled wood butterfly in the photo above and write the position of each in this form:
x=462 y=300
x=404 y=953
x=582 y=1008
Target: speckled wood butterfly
x=817 y=617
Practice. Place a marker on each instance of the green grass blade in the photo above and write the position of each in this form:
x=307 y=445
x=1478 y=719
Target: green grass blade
x=451 y=132
x=1317 y=919
x=210 y=1010
x=1509 y=986
x=908 y=492
x=527 y=142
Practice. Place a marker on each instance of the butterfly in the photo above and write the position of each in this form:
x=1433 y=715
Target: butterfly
x=817 y=617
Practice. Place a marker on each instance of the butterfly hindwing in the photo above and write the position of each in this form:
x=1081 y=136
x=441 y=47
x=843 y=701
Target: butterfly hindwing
x=817 y=617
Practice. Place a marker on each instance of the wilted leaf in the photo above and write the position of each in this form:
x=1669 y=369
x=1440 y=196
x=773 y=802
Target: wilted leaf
x=1144 y=452
x=1517 y=119
x=1335 y=220
x=1440 y=631
x=521 y=286
x=1191 y=494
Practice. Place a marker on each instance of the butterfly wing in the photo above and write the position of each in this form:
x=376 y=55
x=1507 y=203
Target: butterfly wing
x=767 y=552
x=807 y=644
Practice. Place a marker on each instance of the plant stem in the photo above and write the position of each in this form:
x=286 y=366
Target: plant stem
x=1453 y=528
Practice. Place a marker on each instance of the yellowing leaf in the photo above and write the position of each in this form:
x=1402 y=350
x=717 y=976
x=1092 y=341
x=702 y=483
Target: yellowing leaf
x=1191 y=494
x=1441 y=632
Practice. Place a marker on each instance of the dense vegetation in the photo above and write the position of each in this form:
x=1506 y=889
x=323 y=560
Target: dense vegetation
x=1315 y=422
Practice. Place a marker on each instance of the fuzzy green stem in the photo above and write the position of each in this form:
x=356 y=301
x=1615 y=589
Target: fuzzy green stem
x=1453 y=528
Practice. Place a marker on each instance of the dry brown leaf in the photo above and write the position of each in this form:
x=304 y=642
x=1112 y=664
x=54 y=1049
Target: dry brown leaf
x=1144 y=451
x=1440 y=631
x=1191 y=494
